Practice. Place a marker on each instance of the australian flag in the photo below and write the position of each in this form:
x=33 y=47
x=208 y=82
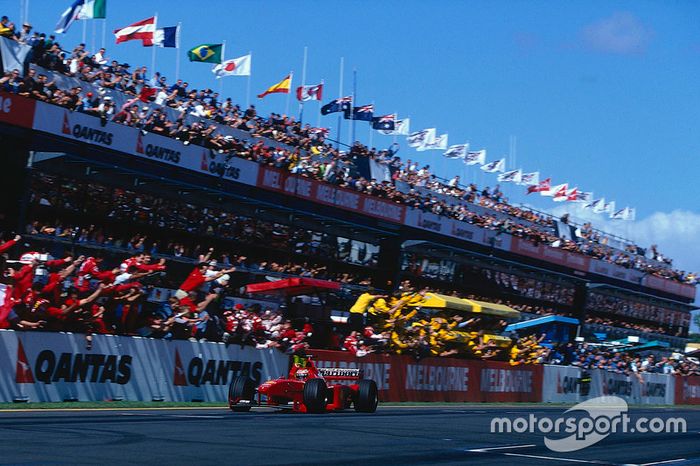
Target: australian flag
x=364 y=113
x=386 y=122
x=344 y=104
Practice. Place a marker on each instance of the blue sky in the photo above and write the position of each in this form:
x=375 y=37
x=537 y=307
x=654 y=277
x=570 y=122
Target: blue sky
x=602 y=95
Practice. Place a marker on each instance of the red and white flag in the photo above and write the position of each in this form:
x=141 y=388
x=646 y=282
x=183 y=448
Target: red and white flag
x=143 y=30
x=235 y=67
x=573 y=195
x=306 y=93
x=542 y=186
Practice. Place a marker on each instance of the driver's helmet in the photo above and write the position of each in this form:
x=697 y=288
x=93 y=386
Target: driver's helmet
x=301 y=374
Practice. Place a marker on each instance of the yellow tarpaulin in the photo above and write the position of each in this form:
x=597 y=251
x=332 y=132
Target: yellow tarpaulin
x=441 y=301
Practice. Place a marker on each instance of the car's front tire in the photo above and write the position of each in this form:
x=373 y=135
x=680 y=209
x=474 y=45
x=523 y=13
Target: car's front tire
x=367 y=396
x=315 y=392
x=241 y=389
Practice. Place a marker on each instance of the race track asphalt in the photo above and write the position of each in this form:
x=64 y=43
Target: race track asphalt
x=393 y=435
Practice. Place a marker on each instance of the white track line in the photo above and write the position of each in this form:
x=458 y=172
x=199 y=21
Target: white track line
x=505 y=447
x=555 y=458
x=663 y=462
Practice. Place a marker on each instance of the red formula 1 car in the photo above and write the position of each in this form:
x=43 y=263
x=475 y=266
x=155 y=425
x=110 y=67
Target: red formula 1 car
x=306 y=390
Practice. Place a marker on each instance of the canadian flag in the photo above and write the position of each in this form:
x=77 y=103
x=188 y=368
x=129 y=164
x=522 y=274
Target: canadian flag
x=541 y=187
x=306 y=93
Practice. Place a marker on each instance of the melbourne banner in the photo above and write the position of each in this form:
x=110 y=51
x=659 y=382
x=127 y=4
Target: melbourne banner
x=401 y=378
x=42 y=366
x=16 y=110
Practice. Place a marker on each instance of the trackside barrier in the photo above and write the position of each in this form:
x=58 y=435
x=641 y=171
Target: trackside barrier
x=688 y=390
x=402 y=378
x=563 y=384
x=42 y=366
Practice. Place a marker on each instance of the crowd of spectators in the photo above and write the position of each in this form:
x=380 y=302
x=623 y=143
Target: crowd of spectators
x=301 y=149
x=588 y=356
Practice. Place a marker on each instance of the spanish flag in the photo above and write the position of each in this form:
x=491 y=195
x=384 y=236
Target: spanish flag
x=281 y=87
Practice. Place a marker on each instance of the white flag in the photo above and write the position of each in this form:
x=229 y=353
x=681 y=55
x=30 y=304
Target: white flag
x=458 y=151
x=439 y=143
x=619 y=214
x=477 y=157
x=235 y=67
x=14 y=55
x=493 y=167
x=512 y=176
x=584 y=197
x=529 y=179
x=401 y=128
x=564 y=194
x=555 y=189
x=597 y=206
x=609 y=207
x=631 y=214
x=420 y=138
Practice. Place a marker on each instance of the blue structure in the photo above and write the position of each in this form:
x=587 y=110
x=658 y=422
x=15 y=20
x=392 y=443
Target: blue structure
x=557 y=329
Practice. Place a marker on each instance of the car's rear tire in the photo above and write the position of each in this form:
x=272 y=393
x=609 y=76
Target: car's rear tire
x=315 y=392
x=367 y=396
x=241 y=388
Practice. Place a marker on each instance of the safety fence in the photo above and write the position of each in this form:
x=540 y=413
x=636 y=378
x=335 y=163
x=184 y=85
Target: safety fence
x=42 y=366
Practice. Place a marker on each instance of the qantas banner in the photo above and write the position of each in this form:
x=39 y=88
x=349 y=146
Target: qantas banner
x=561 y=384
x=325 y=193
x=401 y=378
x=88 y=129
x=643 y=389
x=456 y=229
x=16 y=110
x=42 y=366
x=687 y=390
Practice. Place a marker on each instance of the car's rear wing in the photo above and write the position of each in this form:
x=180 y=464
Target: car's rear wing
x=336 y=373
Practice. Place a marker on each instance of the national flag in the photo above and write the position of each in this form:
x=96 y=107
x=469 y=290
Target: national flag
x=235 y=67
x=207 y=53
x=475 y=157
x=597 y=205
x=401 y=128
x=420 y=138
x=363 y=113
x=559 y=192
x=572 y=195
x=316 y=131
x=458 y=151
x=306 y=93
x=619 y=214
x=69 y=16
x=93 y=9
x=281 y=87
x=585 y=197
x=496 y=166
x=385 y=123
x=343 y=104
x=541 y=186
x=438 y=143
x=528 y=179
x=609 y=207
x=512 y=176
x=631 y=214
x=167 y=37
x=143 y=30
x=147 y=93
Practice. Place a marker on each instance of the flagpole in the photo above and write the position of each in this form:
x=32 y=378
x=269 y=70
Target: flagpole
x=223 y=58
x=318 y=113
x=396 y=118
x=104 y=31
x=177 y=54
x=340 y=96
x=354 y=99
x=303 y=82
x=84 y=32
x=247 y=92
x=94 y=35
x=291 y=79
x=153 y=51
x=370 y=131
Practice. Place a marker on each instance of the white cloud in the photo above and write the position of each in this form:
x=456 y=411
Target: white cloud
x=621 y=33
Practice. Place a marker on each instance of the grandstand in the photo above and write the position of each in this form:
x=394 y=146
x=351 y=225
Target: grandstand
x=91 y=170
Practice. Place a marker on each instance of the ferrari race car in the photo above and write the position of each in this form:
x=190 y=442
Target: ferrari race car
x=306 y=390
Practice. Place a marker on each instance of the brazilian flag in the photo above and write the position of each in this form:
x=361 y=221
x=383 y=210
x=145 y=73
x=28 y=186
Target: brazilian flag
x=208 y=53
